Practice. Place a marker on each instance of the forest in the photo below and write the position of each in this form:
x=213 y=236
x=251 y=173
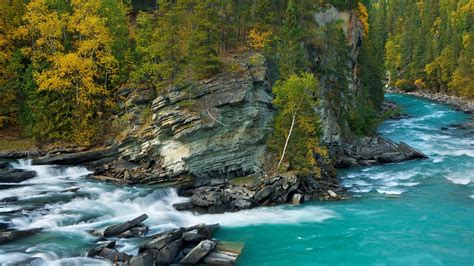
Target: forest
x=61 y=62
x=427 y=44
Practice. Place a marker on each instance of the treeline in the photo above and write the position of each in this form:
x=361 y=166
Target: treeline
x=61 y=61
x=427 y=44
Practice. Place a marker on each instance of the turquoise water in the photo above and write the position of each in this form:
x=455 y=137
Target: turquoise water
x=413 y=213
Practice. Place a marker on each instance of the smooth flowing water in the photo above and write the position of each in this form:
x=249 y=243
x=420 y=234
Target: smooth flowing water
x=412 y=213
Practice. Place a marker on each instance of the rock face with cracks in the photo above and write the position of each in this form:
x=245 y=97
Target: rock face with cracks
x=214 y=129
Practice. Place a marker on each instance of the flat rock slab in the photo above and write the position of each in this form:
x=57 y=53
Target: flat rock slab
x=225 y=253
x=198 y=252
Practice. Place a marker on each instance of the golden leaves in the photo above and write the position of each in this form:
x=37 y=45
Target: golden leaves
x=257 y=39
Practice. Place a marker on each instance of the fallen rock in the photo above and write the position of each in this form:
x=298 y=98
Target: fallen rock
x=296 y=199
x=198 y=252
x=95 y=251
x=114 y=255
x=144 y=259
x=136 y=231
x=120 y=228
x=332 y=193
x=225 y=253
x=167 y=254
x=162 y=239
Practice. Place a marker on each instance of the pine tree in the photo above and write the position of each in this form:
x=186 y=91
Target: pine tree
x=290 y=52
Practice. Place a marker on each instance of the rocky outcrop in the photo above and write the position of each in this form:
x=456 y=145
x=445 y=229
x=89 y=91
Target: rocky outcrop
x=377 y=150
x=269 y=191
x=214 y=129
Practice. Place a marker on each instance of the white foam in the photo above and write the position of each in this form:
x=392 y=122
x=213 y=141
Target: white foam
x=264 y=215
x=390 y=191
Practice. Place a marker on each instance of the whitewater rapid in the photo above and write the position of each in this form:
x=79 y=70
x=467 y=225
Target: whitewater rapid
x=66 y=217
x=42 y=203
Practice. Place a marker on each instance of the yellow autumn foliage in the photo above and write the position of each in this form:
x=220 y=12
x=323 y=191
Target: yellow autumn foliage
x=257 y=39
x=363 y=17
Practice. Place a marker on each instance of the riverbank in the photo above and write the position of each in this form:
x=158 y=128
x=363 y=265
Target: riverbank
x=457 y=103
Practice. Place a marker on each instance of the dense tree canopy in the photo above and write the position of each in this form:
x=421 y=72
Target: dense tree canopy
x=61 y=61
x=427 y=44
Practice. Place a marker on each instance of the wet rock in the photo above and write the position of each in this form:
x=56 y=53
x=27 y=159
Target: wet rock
x=4 y=226
x=120 y=228
x=15 y=175
x=198 y=252
x=136 y=231
x=114 y=255
x=12 y=235
x=296 y=199
x=332 y=193
x=193 y=237
x=182 y=206
x=263 y=193
x=144 y=259
x=368 y=151
x=225 y=253
x=9 y=199
x=74 y=189
x=95 y=251
x=162 y=239
x=167 y=254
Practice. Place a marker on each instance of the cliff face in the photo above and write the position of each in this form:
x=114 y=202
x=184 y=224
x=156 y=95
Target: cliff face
x=332 y=126
x=215 y=129
x=218 y=128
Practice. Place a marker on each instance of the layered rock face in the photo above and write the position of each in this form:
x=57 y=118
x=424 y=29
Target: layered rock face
x=215 y=129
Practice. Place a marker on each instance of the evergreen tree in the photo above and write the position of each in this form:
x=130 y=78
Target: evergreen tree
x=291 y=55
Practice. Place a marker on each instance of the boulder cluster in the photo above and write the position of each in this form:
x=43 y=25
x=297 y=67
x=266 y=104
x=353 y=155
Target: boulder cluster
x=376 y=150
x=184 y=245
x=279 y=189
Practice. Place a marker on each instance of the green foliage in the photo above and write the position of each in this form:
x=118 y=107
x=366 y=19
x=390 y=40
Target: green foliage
x=427 y=44
x=363 y=119
x=296 y=101
x=291 y=57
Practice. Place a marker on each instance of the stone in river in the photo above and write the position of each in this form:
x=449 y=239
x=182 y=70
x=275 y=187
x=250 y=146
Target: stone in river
x=198 y=252
x=15 y=176
x=12 y=235
x=144 y=259
x=120 y=228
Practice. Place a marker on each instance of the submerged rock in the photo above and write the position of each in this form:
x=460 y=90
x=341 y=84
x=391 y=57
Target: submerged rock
x=12 y=235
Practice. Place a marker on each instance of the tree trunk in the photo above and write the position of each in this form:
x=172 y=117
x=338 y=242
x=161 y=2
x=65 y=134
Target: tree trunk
x=287 y=139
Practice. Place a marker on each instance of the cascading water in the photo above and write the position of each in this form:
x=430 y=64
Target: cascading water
x=67 y=216
x=412 y=213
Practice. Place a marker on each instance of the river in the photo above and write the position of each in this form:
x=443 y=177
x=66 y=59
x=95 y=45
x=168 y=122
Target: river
x=413 y=213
